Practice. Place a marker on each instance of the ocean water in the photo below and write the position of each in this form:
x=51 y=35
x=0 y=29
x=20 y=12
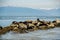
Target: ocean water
x=50 y=34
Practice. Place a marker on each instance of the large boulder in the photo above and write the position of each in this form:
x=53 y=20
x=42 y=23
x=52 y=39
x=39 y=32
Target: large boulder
x=35 y=22
x=57 y=20
x=38 y=24
x=22 y=26
x=13 y=25
x=51 y=25
x=57 y=23
x=31 y=27
x=16 y=29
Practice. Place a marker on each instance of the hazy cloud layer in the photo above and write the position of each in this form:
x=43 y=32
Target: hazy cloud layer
x=36 y=4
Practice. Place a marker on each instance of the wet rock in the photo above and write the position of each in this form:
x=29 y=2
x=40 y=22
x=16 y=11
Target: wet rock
x=31 y=27
x=22 y=26
x=43 y=27
x=51 y=25
x=14 y=25
x=5 y=30
x=56 y=21
x=30 y=30
x=29 y=21
x=58 y=25
x=53 y=21
x=1 y=27
x=14 y=22
x=38 y=24
x=34 y=22
x=15 y=29
x=43 y=24
x=20 y=22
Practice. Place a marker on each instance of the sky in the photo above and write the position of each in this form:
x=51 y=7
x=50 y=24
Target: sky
x=35 y=4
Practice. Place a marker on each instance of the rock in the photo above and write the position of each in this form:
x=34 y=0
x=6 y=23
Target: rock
x=26 y=31
x=56 y=21
x=1 y=27
x=31 y=24
x=29 y=21
x=30 y=30
x=34 y=22
x=38 y=20
x=38 y=24
x=14 y=25
x=22 y=26
x=43 y=24
x=15 y=29
x=53 y=21
x=20 y=22
x=51 y=25
x=5 y=30
x=31 y=27
x=14 y=22
x=58 y=25
x=43 y=27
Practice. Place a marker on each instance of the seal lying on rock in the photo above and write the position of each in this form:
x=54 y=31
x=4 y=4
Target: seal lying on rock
x=57 y=23
x=43 y=27
x=29 y=25
x=51 y=25
x=14 y=22
x=22 y=27
x=29 y=21
x=16 y=29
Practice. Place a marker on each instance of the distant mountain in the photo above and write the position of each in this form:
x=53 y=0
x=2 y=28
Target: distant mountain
x=53 y=12
x=22 y=11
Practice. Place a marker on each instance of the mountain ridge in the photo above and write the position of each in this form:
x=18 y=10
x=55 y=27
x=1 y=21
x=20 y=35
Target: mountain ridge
x=24 y=11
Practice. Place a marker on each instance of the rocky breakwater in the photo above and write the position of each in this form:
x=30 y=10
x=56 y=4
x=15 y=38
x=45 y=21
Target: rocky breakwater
x=29 y=25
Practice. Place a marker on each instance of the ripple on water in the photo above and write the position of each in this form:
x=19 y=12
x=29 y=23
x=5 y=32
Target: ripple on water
x=50 y=34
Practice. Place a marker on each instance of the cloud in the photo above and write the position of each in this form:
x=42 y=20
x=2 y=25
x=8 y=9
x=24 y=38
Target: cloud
x=36 y=4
